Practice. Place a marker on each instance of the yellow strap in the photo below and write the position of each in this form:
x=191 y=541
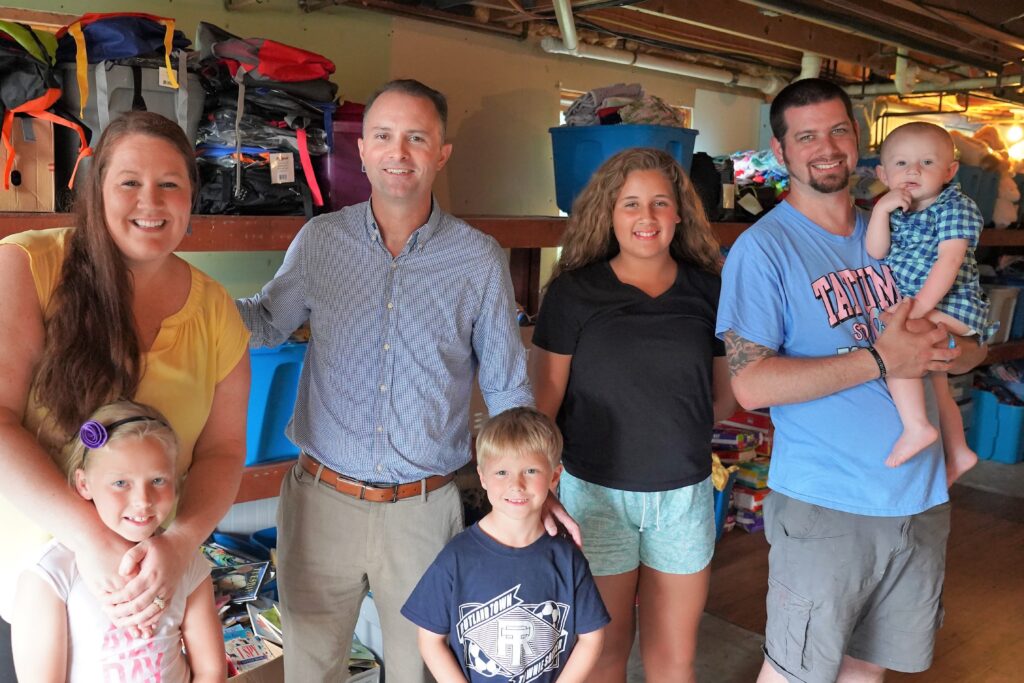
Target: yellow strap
x=172 y=78
x=81 y=65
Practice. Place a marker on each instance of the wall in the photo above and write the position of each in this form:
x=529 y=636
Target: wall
x=503 y=96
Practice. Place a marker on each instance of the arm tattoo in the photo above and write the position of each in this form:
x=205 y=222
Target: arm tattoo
x=742 y=353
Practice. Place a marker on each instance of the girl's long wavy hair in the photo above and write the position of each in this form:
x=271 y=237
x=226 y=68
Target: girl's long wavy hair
x=590 y=237
x=91 y=354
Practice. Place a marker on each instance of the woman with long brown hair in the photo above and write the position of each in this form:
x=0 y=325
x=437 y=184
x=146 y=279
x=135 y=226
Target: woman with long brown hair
x=106 y=311
x=626 y=360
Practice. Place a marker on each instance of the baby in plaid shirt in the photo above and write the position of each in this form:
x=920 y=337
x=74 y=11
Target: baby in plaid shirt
x=926 y=230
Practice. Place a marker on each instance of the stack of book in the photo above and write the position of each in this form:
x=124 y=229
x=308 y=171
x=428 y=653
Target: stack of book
x=749 y=493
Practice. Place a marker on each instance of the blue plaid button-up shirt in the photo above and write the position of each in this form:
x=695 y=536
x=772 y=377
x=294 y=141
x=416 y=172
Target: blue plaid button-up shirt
x=396 y=342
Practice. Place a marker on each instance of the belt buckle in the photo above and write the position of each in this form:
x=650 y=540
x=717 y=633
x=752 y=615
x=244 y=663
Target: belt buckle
x=379 y=487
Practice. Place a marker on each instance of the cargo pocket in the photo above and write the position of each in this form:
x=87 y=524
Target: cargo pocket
x=789 y=618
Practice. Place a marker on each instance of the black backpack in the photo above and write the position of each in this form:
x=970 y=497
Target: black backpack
x=29 y=86
x=707 y=181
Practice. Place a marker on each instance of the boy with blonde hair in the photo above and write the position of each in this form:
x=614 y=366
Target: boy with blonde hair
x=504 y=598
x=926 y=229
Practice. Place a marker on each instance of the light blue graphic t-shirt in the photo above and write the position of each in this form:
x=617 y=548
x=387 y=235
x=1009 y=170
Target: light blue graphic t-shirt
x=793 y=287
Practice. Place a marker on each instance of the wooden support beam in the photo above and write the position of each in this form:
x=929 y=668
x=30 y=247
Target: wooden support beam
x=748 y=22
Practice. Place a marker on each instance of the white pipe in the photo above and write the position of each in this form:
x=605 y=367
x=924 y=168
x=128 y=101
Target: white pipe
x=905 y=76
x=766 y=84
x=953 y=86
x=566 y=24
x=810 y=66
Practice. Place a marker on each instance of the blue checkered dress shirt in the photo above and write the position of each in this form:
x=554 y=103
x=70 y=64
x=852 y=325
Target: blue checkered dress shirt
x=384 y=392
x=915 y=247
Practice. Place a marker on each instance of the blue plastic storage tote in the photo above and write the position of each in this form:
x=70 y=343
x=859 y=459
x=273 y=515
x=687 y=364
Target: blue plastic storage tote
x=997 y=429
x=275 y=382
x=579 y=150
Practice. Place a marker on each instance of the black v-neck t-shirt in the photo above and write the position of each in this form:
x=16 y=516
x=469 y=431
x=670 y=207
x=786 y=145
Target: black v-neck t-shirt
x=637 y=413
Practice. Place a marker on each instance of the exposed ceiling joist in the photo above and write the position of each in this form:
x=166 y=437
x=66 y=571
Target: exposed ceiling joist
x=936 y=31
x=816 y=13
x=741 y=20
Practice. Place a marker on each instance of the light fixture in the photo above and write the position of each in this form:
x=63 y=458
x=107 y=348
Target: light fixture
x=1017 y=151
x=1014 y=133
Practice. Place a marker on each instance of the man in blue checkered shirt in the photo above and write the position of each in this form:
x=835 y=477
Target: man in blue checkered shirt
x=406 y=305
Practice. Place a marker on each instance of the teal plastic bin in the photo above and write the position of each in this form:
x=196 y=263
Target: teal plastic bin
x=579 y=150
x=275 y=382
x=722 y=499
x=997 y=429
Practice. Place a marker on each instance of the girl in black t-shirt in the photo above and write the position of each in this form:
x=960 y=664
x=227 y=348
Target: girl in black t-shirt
x=625 y=358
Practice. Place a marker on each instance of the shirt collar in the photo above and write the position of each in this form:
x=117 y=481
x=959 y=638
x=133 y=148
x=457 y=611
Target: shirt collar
x=419 y=237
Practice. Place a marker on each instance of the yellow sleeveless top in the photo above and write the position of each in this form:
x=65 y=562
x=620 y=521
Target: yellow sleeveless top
x=194 y=350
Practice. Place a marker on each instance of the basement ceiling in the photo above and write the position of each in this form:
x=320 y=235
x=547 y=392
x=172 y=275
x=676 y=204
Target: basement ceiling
x=951 y=46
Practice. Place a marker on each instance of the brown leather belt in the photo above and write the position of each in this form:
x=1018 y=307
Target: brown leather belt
x=374 y=493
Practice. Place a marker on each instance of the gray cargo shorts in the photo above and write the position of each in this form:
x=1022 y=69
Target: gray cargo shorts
x=845 y=584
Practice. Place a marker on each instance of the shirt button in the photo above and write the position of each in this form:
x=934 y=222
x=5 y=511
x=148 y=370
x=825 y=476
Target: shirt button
x=394 y=266
x=390 y=305
x=387 y=347
x=380 y=428
x=383 y=387
x=380 y=468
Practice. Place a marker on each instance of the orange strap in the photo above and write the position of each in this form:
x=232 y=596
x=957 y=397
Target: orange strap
x=84 y=150
x=172 y=78
x=81 y=65
x=5 y=133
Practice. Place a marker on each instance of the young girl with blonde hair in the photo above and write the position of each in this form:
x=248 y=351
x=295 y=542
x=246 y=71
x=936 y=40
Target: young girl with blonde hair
x=123 y=460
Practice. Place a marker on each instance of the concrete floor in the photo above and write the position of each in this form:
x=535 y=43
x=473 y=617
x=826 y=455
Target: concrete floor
x=725 y=654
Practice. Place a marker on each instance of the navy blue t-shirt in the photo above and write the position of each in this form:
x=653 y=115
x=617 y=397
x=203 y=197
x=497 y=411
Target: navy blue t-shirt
x=511 y=614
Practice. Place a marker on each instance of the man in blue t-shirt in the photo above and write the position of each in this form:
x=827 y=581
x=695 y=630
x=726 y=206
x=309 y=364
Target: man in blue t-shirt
x=504 y=601
x=857 y=549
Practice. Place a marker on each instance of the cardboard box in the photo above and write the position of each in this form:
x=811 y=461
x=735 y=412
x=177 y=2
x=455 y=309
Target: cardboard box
x=32 y=176
x=270 y=672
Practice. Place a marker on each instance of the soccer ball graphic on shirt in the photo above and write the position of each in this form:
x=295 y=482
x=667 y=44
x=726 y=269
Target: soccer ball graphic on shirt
x=506 y=637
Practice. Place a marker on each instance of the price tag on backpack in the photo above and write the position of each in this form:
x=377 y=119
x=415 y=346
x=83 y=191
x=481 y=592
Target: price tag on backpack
x=163 y=79
x=282 y=168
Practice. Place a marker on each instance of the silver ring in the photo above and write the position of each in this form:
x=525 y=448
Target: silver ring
x=160 y=603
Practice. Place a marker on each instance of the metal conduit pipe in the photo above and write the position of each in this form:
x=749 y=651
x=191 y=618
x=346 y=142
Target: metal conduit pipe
x=566 y=24
x=767 y=84
x=876 y=89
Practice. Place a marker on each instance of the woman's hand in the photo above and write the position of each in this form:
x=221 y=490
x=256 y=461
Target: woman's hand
x=153 y=570
x=98 y=562
x=554 y=513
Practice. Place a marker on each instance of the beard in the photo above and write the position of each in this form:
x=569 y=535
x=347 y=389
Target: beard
x=825 y=183
x=832 y=182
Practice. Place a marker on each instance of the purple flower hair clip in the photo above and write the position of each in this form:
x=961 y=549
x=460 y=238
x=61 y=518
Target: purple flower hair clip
x=93 y=434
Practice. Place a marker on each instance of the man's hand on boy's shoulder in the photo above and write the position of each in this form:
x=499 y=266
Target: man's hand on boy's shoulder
x=554 y=514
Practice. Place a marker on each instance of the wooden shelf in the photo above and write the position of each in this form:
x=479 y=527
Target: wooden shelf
x=275 y=233
x=263 y=481
x=1007 y=351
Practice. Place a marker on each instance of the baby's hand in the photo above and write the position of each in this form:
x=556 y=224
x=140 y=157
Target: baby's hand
x=896 y=198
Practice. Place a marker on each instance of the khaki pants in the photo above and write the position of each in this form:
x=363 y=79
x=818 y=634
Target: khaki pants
x=334 y=548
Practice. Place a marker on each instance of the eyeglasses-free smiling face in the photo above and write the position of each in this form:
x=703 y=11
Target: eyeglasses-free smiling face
x=131 y=482
x=517 y=484
x=402 y=148
x=147 y=198
x=819 y=148
x=645 y=216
